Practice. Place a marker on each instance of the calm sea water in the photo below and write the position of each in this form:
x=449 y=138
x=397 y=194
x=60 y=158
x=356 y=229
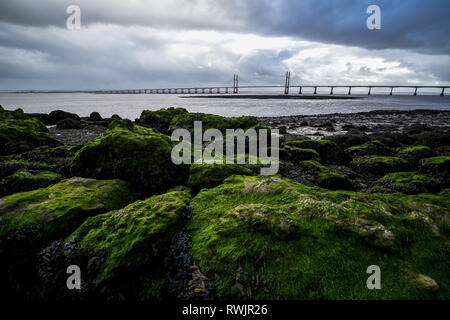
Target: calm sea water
x=131 y=105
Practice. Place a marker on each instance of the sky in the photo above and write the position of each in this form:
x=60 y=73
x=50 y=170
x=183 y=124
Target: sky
x=180 y=43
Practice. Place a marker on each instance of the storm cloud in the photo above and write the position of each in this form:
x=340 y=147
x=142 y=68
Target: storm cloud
x=146 y=44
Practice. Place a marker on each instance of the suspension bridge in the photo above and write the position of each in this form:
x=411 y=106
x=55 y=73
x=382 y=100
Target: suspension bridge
x=288 y=88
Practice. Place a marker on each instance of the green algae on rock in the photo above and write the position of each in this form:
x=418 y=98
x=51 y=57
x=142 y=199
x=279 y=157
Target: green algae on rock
x=414 y=154
x=208 y=175
x=325 y=177
x=25 y=180
x=294 y=154
x=211 y=121
x=328 y=150
x=61 y=208
x=377 y=166
x=272 y=238
x=132 y=153
x=159 y=119
x=20 y=132
x=373 y=147
x=407 y=182
x=129 y=236
x=437 y=166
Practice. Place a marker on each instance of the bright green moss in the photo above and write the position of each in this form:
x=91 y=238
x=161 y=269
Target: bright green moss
x=20 y=132
x=271 y=238
x=122 y=236
x=405 y=178
x=312 y=164
x=210 y=175
x=132 y=153
x=214 y=121
x=437 y=160
x=311 y=144
x=381 y=159
x=415 y=149
x=25 y=180
x=62 y=207
x=367 y=145
x=407 y=182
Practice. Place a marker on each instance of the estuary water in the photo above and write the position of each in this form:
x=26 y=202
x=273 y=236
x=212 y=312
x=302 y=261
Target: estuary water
x=131 y=105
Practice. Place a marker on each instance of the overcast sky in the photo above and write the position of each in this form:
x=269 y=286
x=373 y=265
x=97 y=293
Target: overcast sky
x=168 y=43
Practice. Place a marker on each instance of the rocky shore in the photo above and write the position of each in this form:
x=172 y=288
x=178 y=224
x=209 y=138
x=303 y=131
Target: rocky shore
x=353 y=190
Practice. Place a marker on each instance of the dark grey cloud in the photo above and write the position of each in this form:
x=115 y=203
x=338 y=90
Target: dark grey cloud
x=133 y=44
x=406 y=24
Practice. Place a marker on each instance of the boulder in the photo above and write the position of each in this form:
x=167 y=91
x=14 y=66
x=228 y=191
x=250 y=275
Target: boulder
x=407 y=182
x=378 y=166
x=414 y=154
x=294 y=154
x=328 y=150
x=132 y=153
x=324 y=177
x=68 y=124
x=58 y=115
x=25 y=180
x=118 y=237
x=437 y=166
x=95 y=116
x=270 y=238
x=20 y=132
x=159 y=119
x=373 y=147
x=61 y=208
x=210 y=175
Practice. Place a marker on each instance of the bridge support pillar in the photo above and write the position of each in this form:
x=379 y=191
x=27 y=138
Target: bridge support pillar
x=415 y=92
x=370 y=89
x=300 y=90
x=203 y=90
x=331 y=92
x=218 y=90
x=235 y=83
x=442 y=92
x=226 y=90
x=287 y=81
x=315 y=90
x=392 y=89
x=349 y=90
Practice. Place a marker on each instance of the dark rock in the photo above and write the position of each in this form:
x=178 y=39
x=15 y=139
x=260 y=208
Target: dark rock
x=58 y=115
x=95 y=116
x=68 y=124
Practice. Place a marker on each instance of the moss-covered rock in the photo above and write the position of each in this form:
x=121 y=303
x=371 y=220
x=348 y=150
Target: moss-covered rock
x=159 y=119
x=271 y=238
x=323 y=176
x=136 y=235
x=56 y=159
x=407 y=182
x=378 y=166
x=132 y=153
x=186 y=121
x=25 y=180
x=208 y=175
x=294 y=154
x=328 y=150
x=437 y=166
x=61 y=208
x=414 y=154
x=373 y=147
x=20 y=132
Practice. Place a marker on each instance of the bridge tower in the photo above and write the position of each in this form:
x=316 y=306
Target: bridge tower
x=286 y=83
